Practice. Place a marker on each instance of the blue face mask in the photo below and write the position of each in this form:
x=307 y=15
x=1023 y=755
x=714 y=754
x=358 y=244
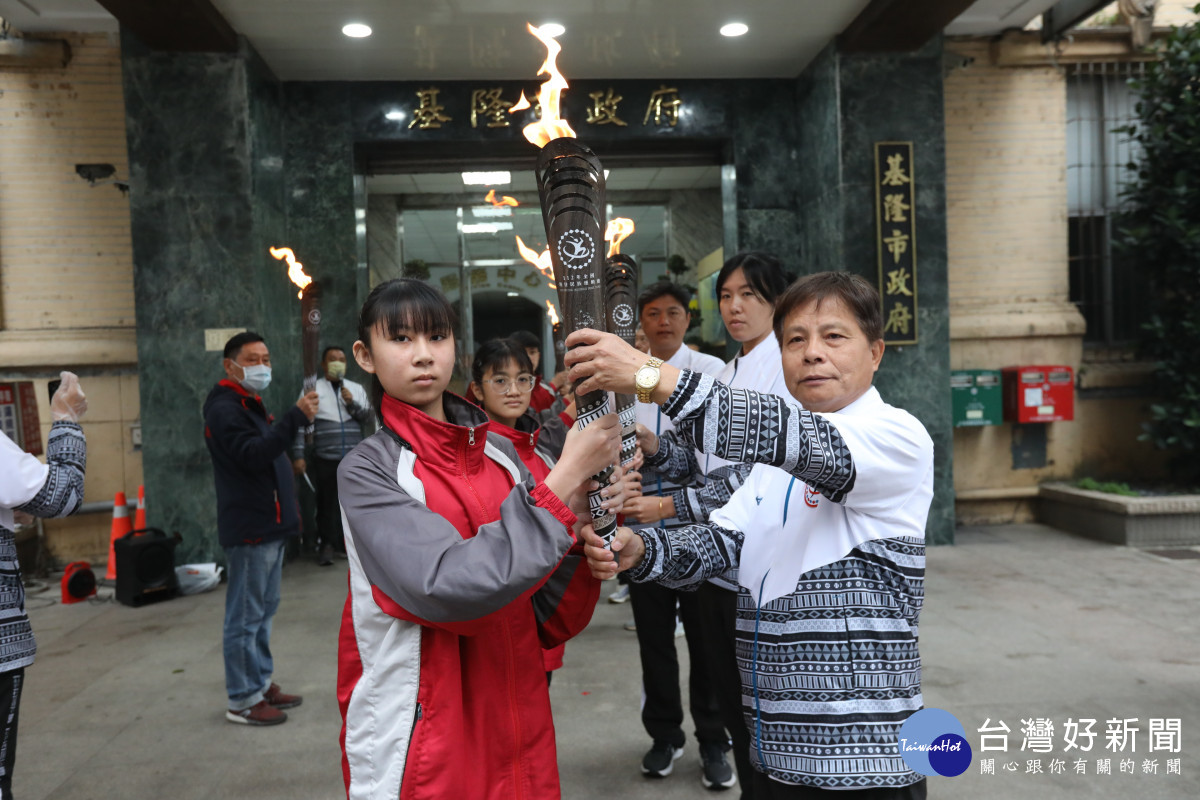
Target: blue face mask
x=256 y=377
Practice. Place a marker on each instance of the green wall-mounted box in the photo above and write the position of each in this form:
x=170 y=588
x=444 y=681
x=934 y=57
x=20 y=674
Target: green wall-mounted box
x=976 y=397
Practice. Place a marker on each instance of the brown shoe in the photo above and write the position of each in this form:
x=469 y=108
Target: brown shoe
x=277 y=699
x=261 y=713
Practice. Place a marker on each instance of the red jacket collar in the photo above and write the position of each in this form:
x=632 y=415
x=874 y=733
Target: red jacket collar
x=525 y=441
x=455 y=444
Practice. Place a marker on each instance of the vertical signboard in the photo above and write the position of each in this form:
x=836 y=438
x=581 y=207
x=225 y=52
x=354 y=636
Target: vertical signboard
x=896 y=240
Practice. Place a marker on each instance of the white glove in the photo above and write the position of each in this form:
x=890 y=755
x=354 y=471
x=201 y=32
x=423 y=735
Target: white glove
x=69 y=402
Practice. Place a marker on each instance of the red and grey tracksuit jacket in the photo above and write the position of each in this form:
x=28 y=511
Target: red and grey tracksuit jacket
x=461 y=569
x=538 y=447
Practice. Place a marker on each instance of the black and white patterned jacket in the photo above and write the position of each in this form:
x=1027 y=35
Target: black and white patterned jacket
x=59 y=495
x=830 y=669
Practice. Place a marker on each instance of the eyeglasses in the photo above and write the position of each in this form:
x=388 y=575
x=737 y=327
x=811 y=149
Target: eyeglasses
x=524 y=383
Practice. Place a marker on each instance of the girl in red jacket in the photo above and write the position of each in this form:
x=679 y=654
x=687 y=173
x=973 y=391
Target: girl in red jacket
x=503 y=380
x=462 y=565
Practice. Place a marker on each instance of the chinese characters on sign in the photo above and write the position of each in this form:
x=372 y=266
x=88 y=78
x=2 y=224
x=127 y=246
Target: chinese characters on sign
x=896 y=240
x=1078 y=737
x=489 y=108
x=428 y=113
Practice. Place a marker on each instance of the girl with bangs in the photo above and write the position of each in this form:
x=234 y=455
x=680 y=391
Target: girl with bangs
x=463 y=565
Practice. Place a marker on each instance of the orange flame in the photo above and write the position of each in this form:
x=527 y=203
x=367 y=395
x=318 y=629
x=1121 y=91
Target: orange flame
x=617 y=232
x=541 y=261
x=503 y=201
x=295 y=268
x=553 y=312
x=521 y=104
x=551 y=126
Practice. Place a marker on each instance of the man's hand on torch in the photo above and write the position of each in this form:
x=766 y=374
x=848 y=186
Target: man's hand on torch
x=299 y=467
x=308 y=404
x=586 y=452
x=627 y=551
x=633 y=478
x=647 y=440
x=604 y=362
x=347 y=398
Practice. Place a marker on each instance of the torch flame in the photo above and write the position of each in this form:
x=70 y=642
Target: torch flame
x=553 y=312
x=541 y=261
x=295 y=268
x=521 y=104
x=551 y=126
x=617 y=232
x=503 y=201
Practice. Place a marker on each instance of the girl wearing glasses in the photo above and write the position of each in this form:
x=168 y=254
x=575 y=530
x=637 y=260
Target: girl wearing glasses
x=503 y=382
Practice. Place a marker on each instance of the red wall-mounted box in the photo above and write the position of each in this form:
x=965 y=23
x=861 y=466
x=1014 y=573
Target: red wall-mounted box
x=1038 y=394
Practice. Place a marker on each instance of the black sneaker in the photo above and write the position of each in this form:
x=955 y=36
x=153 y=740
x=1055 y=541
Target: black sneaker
x=660 y=760
x=715 y=772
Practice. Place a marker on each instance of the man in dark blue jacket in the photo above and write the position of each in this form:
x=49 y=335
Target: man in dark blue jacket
x=256 y=512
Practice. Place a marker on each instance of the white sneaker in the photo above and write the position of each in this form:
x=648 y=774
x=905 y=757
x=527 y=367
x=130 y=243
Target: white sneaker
x=621 y=595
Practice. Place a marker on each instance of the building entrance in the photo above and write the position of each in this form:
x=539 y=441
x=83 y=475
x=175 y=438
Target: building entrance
x=476 y=236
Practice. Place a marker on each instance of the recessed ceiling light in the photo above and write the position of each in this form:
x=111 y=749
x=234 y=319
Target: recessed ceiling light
x=356 y=30
x=552 y=29
x=395 y=115
x=486 y=178
x=734 y=29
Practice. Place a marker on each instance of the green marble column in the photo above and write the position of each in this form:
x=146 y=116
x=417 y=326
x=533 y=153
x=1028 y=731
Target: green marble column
x=206 y=158
x=844 y=104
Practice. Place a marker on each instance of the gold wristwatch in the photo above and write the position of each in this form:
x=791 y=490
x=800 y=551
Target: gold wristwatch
x=646 y=379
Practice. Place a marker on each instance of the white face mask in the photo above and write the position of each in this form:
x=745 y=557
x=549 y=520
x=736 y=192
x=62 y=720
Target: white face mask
x=335 y=370
x=256 y=377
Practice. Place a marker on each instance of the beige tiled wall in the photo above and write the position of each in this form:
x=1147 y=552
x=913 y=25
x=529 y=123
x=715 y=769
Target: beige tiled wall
x=114 y=464
x=66 y=264
x=1006 y=166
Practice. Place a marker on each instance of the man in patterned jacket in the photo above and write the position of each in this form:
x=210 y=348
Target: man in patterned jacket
x=29 y=487
x=828 y=535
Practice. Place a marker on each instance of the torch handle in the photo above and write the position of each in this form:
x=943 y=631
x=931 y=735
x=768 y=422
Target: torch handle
x=627 y=414
x=590 y=407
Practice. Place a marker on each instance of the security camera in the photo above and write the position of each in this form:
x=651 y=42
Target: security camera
x=94 y=172
x=952 y=61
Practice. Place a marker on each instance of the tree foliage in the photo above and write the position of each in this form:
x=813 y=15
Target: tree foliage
x=1161 y=235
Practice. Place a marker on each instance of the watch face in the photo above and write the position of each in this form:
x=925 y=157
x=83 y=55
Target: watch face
x=646 y=377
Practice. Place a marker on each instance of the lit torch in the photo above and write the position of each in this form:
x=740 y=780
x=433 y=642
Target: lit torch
x=571 y=187
x=310 y=321
x=502 y=202
x=620 y=287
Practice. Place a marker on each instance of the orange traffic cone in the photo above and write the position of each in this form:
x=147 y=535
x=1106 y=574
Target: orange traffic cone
x=139 y=517
x=120 y=526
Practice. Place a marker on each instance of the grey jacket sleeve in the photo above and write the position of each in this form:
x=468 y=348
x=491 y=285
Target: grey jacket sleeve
x=419 y=560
